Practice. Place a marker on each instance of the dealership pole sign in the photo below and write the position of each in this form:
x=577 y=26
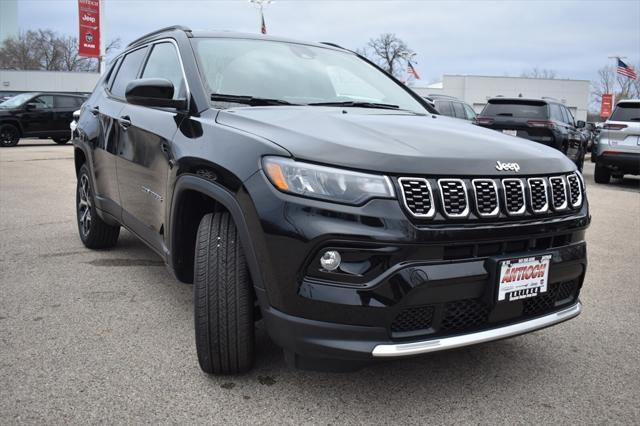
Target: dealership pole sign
x=607 y=105
x=89 y=24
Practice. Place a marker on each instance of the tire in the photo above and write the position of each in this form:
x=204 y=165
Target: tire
x=223 y=298
x=602 y=174
x=9 y=135
x=93 y=231
x=580 y=159
x=61 y=141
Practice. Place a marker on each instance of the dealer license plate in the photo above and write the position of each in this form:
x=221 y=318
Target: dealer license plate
x=523 y=278
x=510 y=132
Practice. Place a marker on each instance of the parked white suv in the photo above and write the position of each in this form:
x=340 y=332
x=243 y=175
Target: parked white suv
x=617 y=148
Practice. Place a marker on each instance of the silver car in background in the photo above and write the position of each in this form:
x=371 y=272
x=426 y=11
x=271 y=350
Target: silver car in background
x=617 y=148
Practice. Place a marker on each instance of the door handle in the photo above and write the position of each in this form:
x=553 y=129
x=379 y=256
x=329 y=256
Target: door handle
x=95 y=110
x=125 y=122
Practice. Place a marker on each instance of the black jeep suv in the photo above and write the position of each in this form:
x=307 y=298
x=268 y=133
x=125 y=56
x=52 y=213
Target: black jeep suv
x=43 y=115
x=545 y=121
x=298 y=184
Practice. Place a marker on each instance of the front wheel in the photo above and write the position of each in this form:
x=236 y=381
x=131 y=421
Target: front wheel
x=94 y=232
x=602 y=174
x=223 y=298
x=9 y=135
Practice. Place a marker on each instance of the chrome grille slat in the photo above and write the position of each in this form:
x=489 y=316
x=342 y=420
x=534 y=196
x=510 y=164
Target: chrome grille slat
x=514 y=197
x=575 y=191
x=538 y=195
x=558 y=193
x=493 y=197
x=486 y=197
x=417 y=196
x=453 y=193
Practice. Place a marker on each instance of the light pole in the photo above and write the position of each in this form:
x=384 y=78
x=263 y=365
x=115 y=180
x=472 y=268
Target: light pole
x=261 y=4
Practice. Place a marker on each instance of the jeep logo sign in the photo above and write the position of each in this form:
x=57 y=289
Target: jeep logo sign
x=507 y=166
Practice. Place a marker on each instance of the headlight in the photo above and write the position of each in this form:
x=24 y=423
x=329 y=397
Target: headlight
x=327 y=183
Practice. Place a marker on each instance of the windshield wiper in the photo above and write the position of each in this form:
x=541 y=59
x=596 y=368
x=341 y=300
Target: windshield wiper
x=248 y=100
x=356 y=104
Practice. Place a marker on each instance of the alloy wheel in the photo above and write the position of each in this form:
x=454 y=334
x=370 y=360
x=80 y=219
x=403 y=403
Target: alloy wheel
x=84 y=205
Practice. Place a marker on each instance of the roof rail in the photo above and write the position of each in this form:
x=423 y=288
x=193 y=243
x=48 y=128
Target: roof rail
x=328 y=43
x=161 y=30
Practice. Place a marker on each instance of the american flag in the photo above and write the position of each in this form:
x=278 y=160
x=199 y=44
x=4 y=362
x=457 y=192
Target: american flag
x=626 y=70
x=263 y=29
x=412 y=71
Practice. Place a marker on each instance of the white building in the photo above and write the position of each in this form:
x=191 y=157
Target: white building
x=47 y=81
x=476 y=90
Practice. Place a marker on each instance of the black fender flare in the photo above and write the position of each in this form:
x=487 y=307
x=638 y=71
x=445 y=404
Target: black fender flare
x=225 y=198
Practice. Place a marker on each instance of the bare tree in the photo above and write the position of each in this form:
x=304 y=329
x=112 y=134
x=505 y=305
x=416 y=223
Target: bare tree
x=387 y=51
x=536 y=72
x=609 y=81
x=47 y=50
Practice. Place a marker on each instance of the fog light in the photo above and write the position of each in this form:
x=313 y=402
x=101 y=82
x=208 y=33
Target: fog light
x=330 y=260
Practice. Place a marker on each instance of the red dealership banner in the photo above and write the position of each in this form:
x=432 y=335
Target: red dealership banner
x=89 y=20
x=607 y=105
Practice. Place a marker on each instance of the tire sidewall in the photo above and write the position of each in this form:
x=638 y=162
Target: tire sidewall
x=13 y=129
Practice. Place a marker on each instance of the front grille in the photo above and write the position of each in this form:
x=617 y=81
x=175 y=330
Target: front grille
x=575 y=192
x=417 y=196
x=412 y=319
x=563 y=292
x=491 y=197
x=486 y=195
x=514 y=196
x=454 y=197
x=558 y=193
x=538 y=194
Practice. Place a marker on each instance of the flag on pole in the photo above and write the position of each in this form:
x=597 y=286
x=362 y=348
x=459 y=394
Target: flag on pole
x=412 y=71
x=263 y=29
x=626 y=70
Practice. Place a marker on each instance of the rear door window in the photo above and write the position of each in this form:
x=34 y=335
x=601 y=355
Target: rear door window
x=128 y=71
x=516 y=108
x=627 y=111
x=444 y=108
x=65 y=102
x=458 y=110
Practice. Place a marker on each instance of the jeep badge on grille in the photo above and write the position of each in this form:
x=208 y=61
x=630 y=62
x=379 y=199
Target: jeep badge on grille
x=507 y=166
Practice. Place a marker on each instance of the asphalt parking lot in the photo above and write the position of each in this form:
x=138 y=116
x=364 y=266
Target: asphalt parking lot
x=107 y=337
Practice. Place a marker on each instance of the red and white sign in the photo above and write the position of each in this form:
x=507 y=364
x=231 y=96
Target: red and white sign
x=89 y=24
x=607 y=105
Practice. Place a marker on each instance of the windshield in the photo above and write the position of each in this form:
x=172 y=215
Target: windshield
x=295 y=73
x=626 y=111
x=16 y=101
x=513 y=108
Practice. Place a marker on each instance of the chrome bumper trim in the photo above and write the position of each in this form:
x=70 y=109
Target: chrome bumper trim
x=434 y=345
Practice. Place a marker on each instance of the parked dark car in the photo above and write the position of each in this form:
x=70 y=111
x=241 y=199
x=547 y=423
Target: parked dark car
x=545 y=121
x=300 y=184
x=452 y=107
x=42 y=115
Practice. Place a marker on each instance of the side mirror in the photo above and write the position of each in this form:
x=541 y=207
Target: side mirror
x=580 y=124
x=153 y=92
x=31 y=106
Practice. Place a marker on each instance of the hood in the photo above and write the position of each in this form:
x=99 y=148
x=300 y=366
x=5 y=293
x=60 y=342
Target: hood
x=393 y=142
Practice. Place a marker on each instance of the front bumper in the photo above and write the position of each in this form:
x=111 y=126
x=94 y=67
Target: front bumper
x=430 y=285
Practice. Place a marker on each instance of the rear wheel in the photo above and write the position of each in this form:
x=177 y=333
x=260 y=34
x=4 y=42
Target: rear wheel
x=602 y=174
x=94 y=232
x=223 y=298
x=9 y=135
x=61 y=141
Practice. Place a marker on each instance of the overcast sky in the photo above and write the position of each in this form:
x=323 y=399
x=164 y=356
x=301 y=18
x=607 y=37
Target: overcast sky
x=572 y=38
